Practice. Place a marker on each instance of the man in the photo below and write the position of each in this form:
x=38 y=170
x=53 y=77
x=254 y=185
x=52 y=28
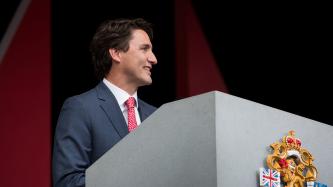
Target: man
x=93 y=122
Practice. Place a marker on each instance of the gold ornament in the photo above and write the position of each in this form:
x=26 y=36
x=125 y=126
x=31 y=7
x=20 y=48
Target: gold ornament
x=292 y=161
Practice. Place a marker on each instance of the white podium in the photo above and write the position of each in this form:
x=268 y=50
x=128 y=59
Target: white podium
x=209 y=140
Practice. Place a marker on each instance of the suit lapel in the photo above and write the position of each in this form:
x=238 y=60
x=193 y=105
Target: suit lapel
x=142 y=112
x=111 y=108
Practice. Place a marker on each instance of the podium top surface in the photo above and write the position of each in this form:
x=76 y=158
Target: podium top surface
x=213 y=139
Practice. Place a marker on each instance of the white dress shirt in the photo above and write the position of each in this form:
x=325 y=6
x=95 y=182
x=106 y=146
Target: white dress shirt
x=121 y=97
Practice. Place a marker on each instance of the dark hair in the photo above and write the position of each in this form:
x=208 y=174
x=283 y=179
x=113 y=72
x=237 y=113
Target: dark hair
x=114 y=34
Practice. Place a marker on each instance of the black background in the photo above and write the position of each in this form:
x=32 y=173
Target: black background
x=274 y=53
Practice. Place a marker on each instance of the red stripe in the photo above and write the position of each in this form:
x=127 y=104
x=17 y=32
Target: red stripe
x=25 y=115
x=197 y=71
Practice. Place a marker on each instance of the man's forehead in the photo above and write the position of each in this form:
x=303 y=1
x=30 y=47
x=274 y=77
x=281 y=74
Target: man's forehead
x=140 y=37
x=139 y=33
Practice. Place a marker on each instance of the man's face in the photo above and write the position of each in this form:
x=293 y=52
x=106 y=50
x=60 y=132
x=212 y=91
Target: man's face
x=138 y=60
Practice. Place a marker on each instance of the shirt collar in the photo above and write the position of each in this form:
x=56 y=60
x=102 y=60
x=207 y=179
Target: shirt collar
x=120 y=94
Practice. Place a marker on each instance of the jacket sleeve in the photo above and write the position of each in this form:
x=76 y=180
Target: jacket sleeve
x=72 y=145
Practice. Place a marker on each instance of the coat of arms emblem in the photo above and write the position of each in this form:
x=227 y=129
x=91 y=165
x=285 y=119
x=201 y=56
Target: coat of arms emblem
x=289 y=164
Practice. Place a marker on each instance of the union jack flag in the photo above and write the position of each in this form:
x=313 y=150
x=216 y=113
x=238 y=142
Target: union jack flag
x=269 y=178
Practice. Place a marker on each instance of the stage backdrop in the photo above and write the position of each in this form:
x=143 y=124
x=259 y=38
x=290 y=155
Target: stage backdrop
x=25 y=122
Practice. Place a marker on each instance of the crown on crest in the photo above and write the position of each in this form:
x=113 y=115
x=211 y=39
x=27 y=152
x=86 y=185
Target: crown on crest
x=291 y=141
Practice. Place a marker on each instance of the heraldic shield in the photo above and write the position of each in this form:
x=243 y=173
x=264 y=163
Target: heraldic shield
x=294 y=162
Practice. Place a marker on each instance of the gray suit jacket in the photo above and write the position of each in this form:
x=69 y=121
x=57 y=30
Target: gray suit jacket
x=89 y=125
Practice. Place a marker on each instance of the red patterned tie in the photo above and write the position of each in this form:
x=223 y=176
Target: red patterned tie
x=130 y=103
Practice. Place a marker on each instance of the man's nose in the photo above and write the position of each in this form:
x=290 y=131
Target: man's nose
x=152 y=59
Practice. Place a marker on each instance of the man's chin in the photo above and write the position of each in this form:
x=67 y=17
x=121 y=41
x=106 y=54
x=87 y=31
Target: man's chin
x=149 y=82
x=146 y=82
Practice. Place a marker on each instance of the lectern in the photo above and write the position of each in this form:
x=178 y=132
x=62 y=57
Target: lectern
x=209 y=140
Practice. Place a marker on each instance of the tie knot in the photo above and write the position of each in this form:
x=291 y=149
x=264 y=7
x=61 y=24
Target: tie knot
x=130 y=103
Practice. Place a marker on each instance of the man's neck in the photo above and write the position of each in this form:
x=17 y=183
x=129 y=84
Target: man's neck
x=121 y=83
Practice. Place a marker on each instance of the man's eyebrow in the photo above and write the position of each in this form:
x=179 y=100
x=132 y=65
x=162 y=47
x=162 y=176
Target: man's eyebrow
x=146 y=46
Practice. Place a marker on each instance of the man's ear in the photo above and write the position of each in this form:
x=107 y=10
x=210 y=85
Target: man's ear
x=115 y=54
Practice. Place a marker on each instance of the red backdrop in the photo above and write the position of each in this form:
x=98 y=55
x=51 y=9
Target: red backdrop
x=197 y=71
x=25 y=105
